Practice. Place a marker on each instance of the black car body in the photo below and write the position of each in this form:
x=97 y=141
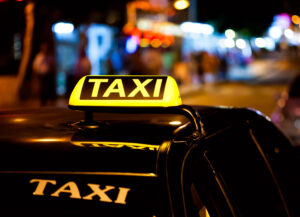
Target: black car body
x=179 y=161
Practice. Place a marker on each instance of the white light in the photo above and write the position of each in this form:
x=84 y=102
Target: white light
x=222 y=43
x=229 y=43
x=207 y=29
x=187 y=26
x=197 y=28
x=63 y=28
x=288 y=33
x=260 y=42
x=144 y=24
x=275 y=32
x=270 y=43
x=229 y=33
x=241 y=43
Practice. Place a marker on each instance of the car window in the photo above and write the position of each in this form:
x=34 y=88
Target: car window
x=284 y=160
x=202 y=195
x=240 y=180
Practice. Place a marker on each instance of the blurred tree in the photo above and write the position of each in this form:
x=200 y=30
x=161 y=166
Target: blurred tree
x=11 y=85
x=27 y=45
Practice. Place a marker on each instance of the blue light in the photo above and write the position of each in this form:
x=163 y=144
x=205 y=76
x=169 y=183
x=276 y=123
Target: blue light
x=100 y=39
x=131 y=45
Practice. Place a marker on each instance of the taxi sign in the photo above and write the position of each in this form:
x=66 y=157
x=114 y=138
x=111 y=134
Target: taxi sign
x=125 y=91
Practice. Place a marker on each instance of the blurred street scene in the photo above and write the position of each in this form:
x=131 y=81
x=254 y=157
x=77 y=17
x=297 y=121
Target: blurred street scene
x=47 y=47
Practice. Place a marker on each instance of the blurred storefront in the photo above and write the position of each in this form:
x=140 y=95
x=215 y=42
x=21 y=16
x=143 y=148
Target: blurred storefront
x=81 y=51
x=152 y=37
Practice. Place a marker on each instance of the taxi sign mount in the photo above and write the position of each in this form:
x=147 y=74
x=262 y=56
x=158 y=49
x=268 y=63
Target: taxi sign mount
x=125 y=91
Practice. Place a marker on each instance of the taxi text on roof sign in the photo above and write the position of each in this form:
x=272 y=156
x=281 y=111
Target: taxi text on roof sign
x=125 y=91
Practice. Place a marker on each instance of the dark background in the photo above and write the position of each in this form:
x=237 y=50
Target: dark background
x=250 y=17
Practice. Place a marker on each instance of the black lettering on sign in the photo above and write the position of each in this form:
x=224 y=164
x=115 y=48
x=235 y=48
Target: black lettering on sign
x=124 y=88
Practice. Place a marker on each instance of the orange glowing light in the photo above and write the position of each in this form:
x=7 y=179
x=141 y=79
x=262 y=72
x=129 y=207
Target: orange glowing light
x=148 y=34
x=156 y=43
x=168 y=40
x=296 y=19
x=18 y=120
x=144 y=42
x=46 y=140
x=136 y=33
x=128 y=28
x=159 y=36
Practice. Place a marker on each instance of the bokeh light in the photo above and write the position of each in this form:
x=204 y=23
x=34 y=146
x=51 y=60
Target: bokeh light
x=296 y=19
x=229 y=33
x=181 y=4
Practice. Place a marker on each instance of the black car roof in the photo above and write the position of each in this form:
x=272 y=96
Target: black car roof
x=56 y=139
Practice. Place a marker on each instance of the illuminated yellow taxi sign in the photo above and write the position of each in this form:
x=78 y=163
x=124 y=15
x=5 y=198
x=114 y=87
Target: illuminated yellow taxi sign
x=125 y=91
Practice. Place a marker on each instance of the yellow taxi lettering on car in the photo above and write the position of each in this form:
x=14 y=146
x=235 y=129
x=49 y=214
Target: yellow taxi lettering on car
x=103 y=144
x=101 y=193
x=121 y=198
x=71 y=188
x=125 y=91
x=41 y=185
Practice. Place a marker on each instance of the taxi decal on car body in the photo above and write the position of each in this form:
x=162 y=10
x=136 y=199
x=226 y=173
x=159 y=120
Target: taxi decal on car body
x=101 y=144
x=73 y=191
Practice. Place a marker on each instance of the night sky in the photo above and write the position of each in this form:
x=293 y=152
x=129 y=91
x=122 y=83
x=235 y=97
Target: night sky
x=248 y=16
x=252 y=16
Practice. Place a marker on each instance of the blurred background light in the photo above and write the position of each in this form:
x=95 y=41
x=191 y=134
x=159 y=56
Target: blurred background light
x=229 y=43
x=296 y=19
x=282 y=20
x=240 y=43
x=288 y=33
x=100 y=38
x=155 y=43
x=270 y=43
x=181 y=4
x=144 y=42
x=63 y=28
x=192 y=27
x=131 y=45
x=207 y=29
x=260 y=42
x=229 y=33
x=275 y=32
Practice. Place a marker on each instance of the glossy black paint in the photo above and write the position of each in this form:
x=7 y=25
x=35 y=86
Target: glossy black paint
x=44 y=140
x=44 y=144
